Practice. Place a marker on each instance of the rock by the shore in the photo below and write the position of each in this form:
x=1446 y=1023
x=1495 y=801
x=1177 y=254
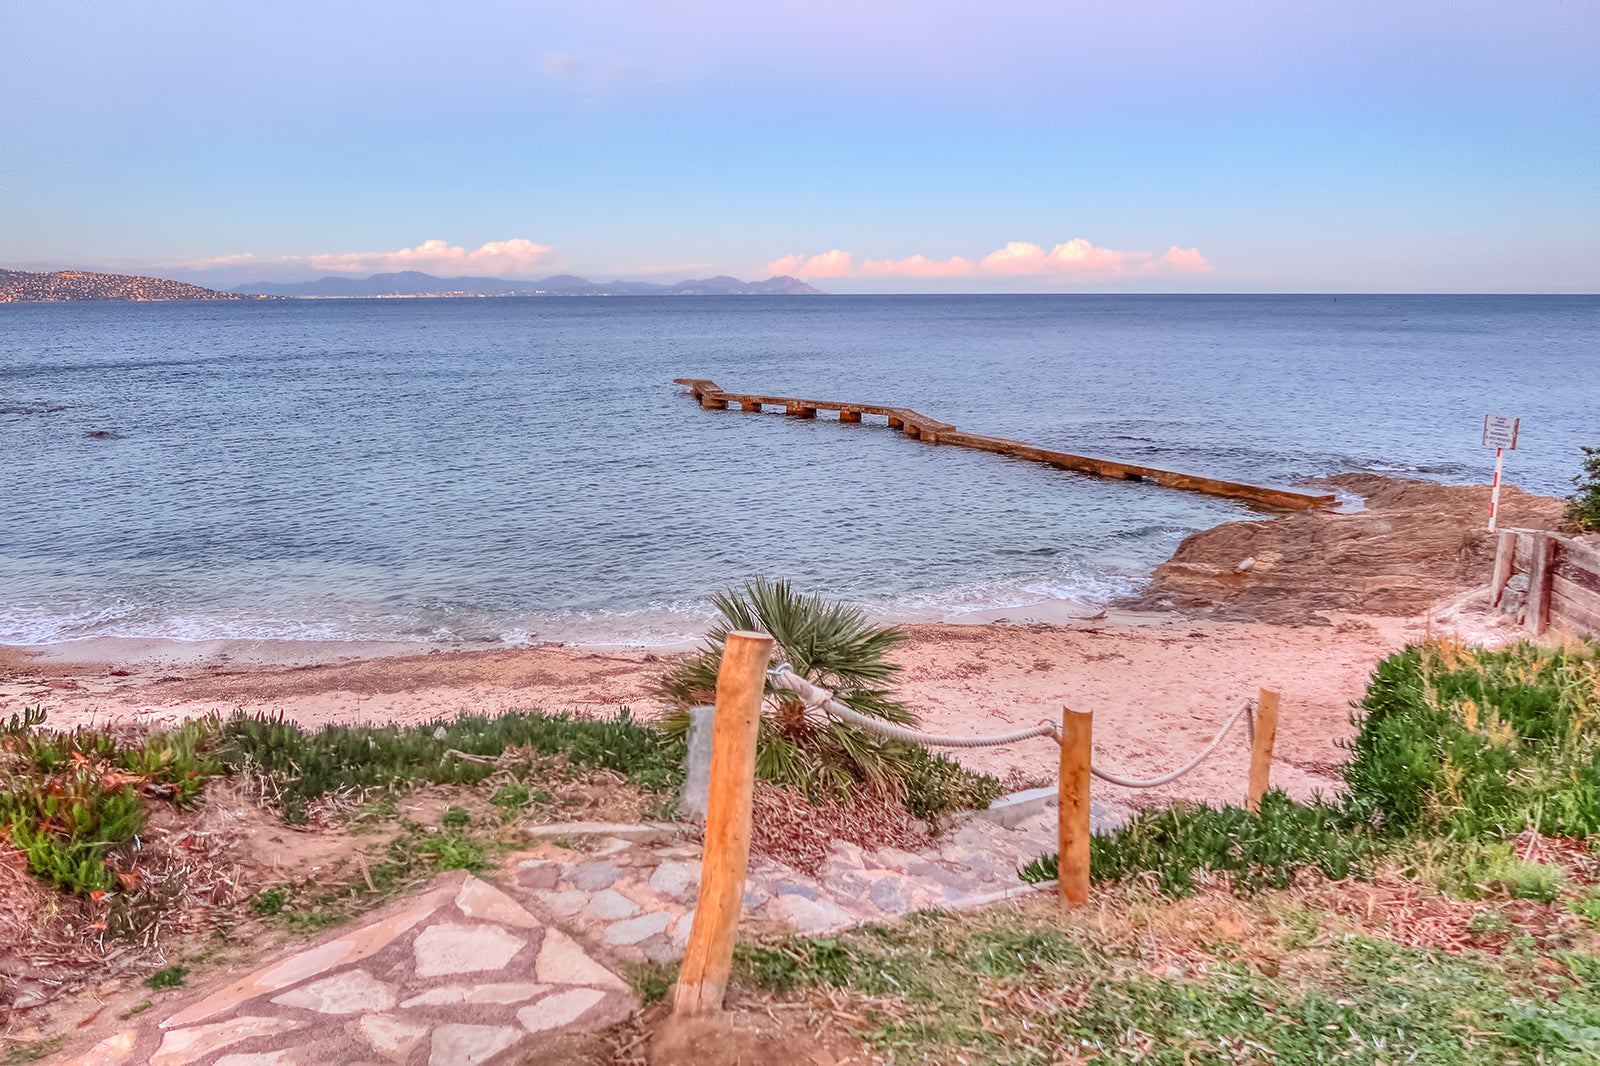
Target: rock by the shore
x=1417 y=542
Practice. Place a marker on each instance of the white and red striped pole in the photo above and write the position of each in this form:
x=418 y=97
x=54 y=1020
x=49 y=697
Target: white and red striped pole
x=1494 y=495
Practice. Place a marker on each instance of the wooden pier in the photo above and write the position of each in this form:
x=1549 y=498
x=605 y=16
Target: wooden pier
x=931 y=431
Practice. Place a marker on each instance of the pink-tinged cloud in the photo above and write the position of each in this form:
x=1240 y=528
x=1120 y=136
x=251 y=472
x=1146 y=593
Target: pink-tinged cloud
x=514 y=256
x=834 y=264
x=1186 y=260
x=1077 y=259
x=504 y=258
x=917 y=266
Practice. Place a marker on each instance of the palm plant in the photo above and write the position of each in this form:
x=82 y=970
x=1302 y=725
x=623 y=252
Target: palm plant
x=829 y=644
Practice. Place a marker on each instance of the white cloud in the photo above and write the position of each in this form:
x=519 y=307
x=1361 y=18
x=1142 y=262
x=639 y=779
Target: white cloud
x=508 y=258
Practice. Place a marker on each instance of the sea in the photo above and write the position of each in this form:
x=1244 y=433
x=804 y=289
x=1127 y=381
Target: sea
x=474 y=472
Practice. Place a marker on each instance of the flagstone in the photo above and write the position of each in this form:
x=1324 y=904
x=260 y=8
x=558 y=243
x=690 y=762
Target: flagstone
x=392 y=1037
x=467 y=1045
x=563 y=1008
x=563 y=904
x=636 y=929
x=488 y=904
x=282 y=1057
x=562 y=962
x=447 y=948
x=352 y=947
x=351 y=992
x=452 y=995
x=179 y=1047
x=609 y=905
x=593 y=876
x=680 y=880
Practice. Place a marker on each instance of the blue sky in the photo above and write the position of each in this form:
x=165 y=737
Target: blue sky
x=871 y=147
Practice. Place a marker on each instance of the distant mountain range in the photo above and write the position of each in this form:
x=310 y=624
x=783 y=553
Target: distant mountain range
x=414 y=283
x=20 y=286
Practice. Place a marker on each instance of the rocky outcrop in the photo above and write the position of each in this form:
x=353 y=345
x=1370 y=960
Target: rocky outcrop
x=1416 y=542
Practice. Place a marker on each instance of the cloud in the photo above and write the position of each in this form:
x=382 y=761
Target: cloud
x=503 y=258
x=1187 y=260
x=917 y=266
x=834 y=264
x=1077 y=259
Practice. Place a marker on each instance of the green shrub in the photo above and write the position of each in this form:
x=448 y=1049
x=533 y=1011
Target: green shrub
x=1259 y=850
x=1583 y=506
x=936 y=785
x=1475 y=744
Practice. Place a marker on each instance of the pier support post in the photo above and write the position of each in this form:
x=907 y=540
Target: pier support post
x=750 y=405
x=713 y=403
x=850 y=416
x=1072 y=852
x=895 y=422
x=796 y=410
x=1261 y=750
x=708 y=957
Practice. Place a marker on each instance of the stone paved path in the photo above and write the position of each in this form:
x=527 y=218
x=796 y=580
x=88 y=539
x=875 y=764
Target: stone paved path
x=459 y=975
x=637 y=897
x=467 y=973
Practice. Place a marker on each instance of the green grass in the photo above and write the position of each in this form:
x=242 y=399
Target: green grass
x=1259 y=850
x=170 y=977
x=336 y=758
x=1016 y=987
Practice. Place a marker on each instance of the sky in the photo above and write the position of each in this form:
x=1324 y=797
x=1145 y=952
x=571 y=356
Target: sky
x=868 y=147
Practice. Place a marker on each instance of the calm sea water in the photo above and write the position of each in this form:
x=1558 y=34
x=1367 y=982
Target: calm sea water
x=491 y=470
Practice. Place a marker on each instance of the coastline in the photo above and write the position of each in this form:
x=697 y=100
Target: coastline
x=1327 y=596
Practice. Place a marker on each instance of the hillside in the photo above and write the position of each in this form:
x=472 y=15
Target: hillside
x=19 y=286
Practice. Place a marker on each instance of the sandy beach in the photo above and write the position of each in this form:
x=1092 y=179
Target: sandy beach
x=1159 y=677
x=1158 y=684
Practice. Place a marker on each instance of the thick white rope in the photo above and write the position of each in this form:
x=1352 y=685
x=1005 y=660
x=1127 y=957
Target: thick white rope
x=817 y=698
x=820 y=699
x=1168 y=778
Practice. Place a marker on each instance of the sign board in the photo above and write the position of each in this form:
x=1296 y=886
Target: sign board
x=1500 y=431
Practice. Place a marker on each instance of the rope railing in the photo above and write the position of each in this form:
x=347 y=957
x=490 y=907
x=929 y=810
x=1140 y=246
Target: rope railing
x=1245 y=711
x=817 y=698
x=743 y=679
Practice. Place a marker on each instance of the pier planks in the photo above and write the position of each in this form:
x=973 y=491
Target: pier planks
x=930 y=430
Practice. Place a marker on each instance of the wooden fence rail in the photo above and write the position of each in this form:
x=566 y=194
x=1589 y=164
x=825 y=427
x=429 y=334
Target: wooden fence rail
x=1562 y=581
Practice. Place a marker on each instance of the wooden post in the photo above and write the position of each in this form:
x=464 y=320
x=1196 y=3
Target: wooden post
x=1537 y=618
x=708 y=957
x=1504 y=553
x=850 y=416
x=1072 y=853
x=1261 y=752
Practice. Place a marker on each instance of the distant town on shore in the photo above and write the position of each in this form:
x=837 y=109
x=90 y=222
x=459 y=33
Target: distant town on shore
x=19 y=286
